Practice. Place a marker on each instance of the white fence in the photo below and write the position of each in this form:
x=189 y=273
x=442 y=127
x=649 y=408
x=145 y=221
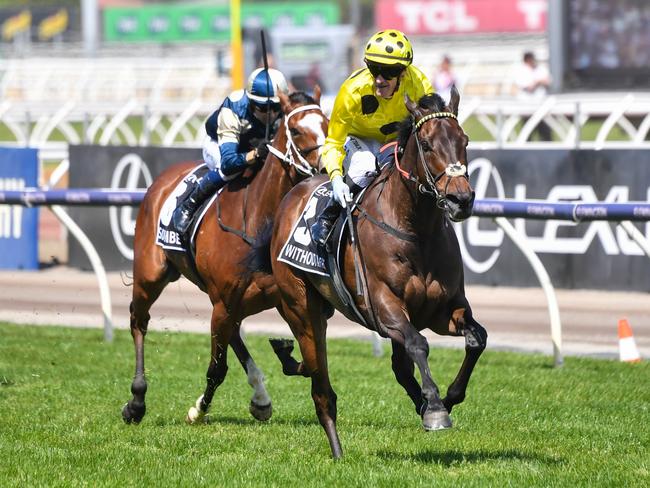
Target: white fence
x=49 y=103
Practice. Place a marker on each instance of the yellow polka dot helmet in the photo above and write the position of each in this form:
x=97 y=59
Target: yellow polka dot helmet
x=389 y=47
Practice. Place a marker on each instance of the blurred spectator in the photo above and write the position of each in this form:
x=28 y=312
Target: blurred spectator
x=532 y=81
x=444 y=79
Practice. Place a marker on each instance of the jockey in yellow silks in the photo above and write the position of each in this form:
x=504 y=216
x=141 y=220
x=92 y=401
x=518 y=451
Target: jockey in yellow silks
x=367 y=111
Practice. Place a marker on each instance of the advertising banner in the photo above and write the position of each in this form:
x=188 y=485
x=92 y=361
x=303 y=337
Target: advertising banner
x=439 y=17
x=18 y=225
x=170 y=23
x=590 y=255
x=39 y=23
x=111 y=229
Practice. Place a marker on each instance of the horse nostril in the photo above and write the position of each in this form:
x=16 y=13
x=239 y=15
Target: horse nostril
x=463 y=199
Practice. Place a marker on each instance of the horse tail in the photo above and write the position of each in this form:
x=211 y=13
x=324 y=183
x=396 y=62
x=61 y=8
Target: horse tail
x=258 y=259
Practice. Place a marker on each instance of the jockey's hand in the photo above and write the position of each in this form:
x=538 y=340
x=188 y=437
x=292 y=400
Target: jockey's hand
x=261 y=151
x=341 y=191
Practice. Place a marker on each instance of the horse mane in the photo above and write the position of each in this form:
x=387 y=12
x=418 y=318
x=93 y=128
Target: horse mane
x=302 y=98
x=432 y=102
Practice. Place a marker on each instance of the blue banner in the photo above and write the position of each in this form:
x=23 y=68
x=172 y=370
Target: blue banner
x=18 y=224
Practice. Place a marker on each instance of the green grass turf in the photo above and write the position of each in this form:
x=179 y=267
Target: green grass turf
x=523 y=423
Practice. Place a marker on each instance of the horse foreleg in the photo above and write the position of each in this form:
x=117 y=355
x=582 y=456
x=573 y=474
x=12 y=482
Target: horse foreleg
x=221 y=330
x=307 y=322
x=260 y=406
x=475 y=342
x=403 y=368
x=434 y=414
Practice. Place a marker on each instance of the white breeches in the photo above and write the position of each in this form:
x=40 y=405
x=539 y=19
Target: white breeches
x=360 y=159
x=212 y=157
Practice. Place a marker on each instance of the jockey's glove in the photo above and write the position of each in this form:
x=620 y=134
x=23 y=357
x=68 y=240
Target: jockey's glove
x=341 y=191
x=262 y=151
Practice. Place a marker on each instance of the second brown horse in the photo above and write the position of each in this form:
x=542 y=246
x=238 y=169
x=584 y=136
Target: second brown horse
x=218 y=269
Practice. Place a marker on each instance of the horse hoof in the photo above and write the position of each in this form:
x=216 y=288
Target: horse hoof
x=261 y=412
x=436 y=420
x=195 y=415
x=132 y=415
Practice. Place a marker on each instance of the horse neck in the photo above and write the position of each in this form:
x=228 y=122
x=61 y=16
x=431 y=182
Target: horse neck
x=408 y=207
x=272 y=181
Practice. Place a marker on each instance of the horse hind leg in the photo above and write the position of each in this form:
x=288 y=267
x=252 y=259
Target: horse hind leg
x=283 y=349
x=145 y=293
x=260 y=406
x=475 y=343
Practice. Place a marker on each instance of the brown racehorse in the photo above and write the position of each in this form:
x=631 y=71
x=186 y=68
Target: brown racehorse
x=218 y=269
x=410 y=257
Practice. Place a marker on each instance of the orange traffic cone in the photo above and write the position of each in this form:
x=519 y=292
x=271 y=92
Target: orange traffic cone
x=627 y=349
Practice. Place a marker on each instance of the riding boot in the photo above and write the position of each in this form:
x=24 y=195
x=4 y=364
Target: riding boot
x=182 y=216
x=322 y=229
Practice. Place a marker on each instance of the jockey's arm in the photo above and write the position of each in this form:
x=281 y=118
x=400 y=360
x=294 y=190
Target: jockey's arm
x=228 y=135
x=337 y=133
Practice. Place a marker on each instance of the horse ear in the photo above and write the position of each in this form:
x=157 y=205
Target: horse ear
x=454 y=100
x=411 y=106
x=317 y=94
x=284 y=102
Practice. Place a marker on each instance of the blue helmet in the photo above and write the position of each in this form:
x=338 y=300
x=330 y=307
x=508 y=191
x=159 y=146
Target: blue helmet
x=259 y=84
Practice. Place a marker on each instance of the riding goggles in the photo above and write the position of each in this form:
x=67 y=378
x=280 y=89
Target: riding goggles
x=386 y=72
x=273 y=107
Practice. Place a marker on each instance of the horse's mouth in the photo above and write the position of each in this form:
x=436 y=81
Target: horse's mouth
x=459 y=209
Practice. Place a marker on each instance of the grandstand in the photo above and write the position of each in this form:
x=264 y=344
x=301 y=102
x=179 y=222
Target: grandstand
x=48 y=101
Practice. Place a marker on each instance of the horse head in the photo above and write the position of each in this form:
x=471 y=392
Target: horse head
x=435 y=143
x=302 y=133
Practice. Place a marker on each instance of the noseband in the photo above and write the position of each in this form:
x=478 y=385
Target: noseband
x=452 y=170
x=302 y=165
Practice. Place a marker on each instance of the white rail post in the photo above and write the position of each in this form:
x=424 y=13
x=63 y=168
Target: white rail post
x=636 y=235
x=544 y=280
x=98 y=268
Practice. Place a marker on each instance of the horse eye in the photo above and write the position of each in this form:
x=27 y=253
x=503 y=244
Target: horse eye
x=426 y=147
x=294 y=132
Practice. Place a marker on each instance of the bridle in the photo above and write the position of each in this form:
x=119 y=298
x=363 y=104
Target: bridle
x=301 y=165
x=452 y=170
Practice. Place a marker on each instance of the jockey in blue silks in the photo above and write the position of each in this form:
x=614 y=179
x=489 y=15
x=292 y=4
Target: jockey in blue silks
x=236 y=137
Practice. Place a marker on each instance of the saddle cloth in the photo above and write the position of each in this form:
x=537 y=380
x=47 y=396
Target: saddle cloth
x=300 y=251
x=167 y=236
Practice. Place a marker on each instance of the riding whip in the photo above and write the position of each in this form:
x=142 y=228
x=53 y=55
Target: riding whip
x=268 y=86
x=353 y=241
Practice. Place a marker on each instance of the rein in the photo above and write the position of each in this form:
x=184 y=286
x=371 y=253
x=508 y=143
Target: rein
x=241 y=233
